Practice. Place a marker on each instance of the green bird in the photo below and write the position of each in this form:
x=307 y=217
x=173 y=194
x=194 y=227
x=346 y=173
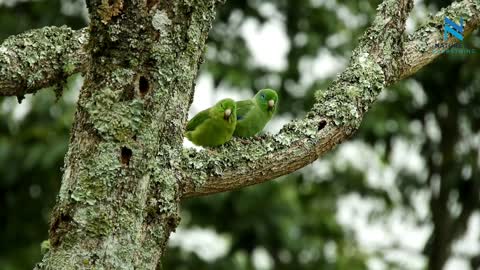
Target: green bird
x=213 y=126
x=254 y=114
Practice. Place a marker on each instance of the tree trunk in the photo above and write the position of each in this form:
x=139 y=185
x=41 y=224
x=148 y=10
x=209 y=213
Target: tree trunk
x=118 y=202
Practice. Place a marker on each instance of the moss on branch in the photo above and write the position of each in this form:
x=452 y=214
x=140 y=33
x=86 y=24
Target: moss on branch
x=40 y=58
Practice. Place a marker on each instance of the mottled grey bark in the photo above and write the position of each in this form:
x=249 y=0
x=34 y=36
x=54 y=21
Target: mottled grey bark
x=41 y=58
x=60 y=52
x=419 y=44
x=125 y=170
x=118 y=201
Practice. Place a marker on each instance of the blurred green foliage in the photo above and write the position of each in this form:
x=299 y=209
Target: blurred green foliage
x=31 y=157
x=293 y=218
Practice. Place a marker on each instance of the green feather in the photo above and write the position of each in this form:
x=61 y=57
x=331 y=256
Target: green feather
x=197 y=120
x=212 y=127
x=254 y=114
x=244 y=107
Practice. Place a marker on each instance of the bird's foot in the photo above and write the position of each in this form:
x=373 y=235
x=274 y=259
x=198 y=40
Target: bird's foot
x=243 y=140
x=211 y=150
x=258 y=137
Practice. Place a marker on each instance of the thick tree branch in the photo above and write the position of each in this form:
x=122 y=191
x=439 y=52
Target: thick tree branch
x=40 y=58
x=338 y=110
x=28 y=66
x=43 y=57
x=419 y=45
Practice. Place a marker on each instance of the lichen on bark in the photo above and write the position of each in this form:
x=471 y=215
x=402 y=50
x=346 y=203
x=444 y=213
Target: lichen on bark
x=37 y=58
x=119 y=197
x=383 y=56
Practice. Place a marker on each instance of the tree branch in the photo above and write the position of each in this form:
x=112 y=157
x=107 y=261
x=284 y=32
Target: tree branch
x=44 y=57
x=40 y=58
x=419 y=45
x=381 y=59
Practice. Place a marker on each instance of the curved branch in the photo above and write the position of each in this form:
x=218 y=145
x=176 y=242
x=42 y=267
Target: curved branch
x=381 y=59
x=40 y=58
x=44 y=57
x=419 y=45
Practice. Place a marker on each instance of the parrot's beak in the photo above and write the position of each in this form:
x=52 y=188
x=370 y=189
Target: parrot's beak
x=227 y=114
x=271 y=103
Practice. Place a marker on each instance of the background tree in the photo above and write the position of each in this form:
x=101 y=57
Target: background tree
x=297 y=219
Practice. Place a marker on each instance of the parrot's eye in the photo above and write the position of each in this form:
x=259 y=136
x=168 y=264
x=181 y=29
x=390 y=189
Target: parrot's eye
x=263 y=96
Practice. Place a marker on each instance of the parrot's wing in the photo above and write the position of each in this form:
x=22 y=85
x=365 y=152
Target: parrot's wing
x=243 y=108
x=198 y=120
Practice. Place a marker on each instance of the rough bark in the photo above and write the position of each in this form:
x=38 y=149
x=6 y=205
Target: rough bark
x=60 y=52
x=419 y=44
x=125 y=170
x=119 y=196
x=41 y=58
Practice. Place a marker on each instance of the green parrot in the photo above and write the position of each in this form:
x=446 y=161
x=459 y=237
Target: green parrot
x=254 y=114
x=213 y=126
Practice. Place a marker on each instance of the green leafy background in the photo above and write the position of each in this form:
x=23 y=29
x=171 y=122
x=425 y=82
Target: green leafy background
x=413 y=164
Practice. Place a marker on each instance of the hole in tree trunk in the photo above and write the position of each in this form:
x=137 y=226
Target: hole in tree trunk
x=143 y=85
x=156 y=35
x=126 y=154
x=59 y=227
x=322 y=124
